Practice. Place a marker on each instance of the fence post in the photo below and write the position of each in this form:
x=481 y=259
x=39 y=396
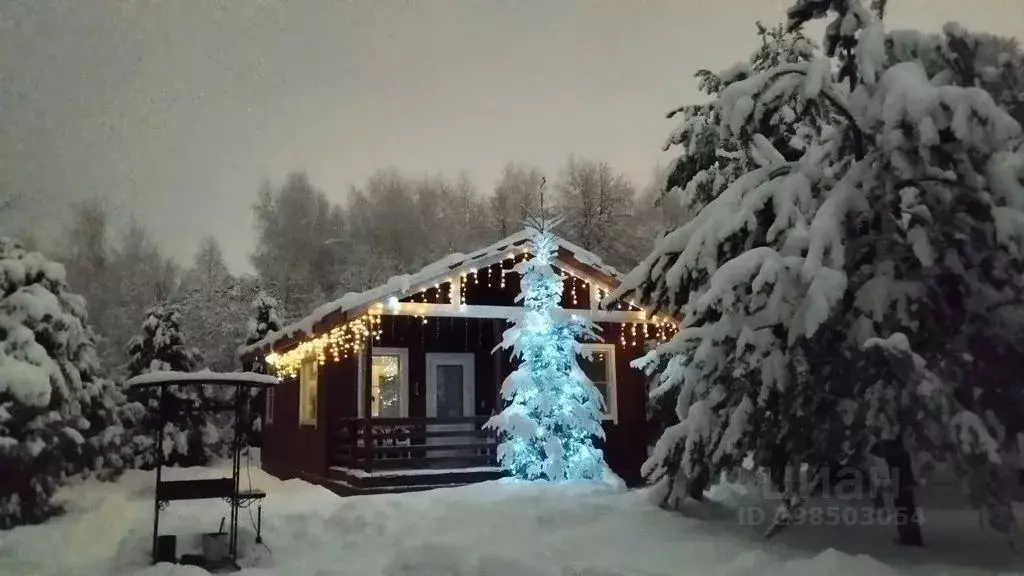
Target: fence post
x=353 y=441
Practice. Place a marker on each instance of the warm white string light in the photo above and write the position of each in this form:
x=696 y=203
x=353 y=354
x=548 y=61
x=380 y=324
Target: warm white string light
x=348 y=339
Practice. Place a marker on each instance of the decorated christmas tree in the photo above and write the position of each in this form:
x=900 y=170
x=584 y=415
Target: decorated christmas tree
x=553 y=411
x=58 y=415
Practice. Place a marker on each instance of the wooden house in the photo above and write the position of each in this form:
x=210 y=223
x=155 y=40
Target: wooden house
x=388 y=389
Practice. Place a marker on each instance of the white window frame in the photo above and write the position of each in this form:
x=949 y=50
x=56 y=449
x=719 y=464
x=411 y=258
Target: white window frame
x=304 y=386
x=612 y=408
x=403 y=391
x=269 y=408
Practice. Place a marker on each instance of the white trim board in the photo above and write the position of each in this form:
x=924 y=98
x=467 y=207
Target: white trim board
x=505 y=312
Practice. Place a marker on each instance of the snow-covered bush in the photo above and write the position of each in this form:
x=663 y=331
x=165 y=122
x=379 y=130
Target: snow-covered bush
x=59 y=416
x=552 y=410
x=192 y=433
x=882 y=202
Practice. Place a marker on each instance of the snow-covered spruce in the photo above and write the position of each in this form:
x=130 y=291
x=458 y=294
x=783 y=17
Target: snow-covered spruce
x=58 y=415
x=264 y=322
x=552 y=410
x=191 y=434
x=884 y=199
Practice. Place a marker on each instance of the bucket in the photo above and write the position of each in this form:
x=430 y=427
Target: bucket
x=215 y=546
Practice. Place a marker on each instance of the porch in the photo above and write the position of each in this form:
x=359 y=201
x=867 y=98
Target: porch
x=382 y=454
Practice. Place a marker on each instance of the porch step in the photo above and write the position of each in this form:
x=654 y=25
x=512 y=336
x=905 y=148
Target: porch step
x=427 y=448
x=445 y=462
x=344 y=489
x=342 y=435
x=425 y=477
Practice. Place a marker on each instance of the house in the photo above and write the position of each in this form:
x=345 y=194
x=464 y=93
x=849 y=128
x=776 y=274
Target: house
x=388 y=389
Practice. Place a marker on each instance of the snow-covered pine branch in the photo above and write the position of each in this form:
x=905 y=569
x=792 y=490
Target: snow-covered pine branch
x=59 y=415
x=834 y=214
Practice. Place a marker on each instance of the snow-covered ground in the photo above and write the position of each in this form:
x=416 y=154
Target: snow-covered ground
x=490 y=529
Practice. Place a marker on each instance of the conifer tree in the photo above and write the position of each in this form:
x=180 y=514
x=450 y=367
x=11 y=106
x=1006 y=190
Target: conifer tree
x=553 y=411
x=59 y=416
x=872 y=213
x=264 y=322
x=191 y=435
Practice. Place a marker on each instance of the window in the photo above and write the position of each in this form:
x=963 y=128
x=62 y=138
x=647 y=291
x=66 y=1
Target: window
x=270 y=405
x=386 y=386
x=600 y=368
x=307 y=392
x=389 y=388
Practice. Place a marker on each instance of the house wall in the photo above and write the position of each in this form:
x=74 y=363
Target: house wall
x=281 y=433
x=291 y=449
x=625 y=446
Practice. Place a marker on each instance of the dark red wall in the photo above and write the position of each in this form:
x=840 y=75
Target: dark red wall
x=625 y=444
x=291 y=449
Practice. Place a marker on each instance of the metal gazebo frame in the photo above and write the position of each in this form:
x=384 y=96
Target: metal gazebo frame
x=227 y=489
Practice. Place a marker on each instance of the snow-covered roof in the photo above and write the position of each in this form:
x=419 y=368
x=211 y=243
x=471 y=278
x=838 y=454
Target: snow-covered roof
x=427 y=275
x=201 y=377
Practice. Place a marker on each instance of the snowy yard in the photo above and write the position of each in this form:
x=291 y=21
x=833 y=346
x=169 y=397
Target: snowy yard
x=493 y=529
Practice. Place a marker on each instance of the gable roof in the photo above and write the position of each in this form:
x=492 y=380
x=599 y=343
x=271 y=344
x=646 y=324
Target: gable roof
x=428 y=275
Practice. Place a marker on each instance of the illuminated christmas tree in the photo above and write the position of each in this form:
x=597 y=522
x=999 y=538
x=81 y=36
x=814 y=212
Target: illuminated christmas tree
x=553 y=411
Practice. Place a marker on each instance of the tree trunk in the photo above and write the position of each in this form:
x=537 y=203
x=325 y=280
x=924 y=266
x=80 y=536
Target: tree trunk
x=908 y=526
x=777 y=470
x=697 y=485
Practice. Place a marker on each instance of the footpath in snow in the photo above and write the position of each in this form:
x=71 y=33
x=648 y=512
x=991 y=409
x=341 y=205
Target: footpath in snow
x=491 y=529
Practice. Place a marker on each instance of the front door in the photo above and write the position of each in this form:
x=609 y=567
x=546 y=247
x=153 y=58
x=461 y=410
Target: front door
x=451 y=393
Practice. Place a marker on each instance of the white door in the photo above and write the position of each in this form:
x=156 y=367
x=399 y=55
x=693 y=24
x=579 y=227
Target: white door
x=451 y=393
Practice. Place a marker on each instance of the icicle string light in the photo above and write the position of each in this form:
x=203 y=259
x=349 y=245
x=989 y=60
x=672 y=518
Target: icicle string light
x=341 y=341
x=348 y=339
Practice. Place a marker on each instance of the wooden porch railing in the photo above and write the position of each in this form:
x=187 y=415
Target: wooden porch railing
x=372 y=444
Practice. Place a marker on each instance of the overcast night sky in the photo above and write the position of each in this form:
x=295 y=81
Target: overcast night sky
x=176 y=111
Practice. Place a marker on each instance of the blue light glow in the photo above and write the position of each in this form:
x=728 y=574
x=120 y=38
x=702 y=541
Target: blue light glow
x=552 y=411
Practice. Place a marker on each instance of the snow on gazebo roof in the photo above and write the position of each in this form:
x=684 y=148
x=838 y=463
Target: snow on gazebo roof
x=406 y=282
x=202 y=377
